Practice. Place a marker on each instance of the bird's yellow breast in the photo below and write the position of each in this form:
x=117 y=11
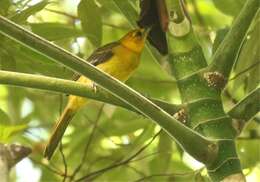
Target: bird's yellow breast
x=122 y=64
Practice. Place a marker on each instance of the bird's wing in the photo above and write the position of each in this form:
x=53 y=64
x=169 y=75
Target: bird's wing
x=99 y=56
x=102 y=54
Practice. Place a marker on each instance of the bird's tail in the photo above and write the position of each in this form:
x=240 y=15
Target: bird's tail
x=59 y=131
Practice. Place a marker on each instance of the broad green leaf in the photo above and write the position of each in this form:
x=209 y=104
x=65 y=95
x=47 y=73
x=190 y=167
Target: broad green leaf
x=7 y=131
x=124 y=127
x=248 y=152
x=161 y=162
x=91 y=21
x=229 y=7
x=4 y=118
x=128 y=11
x=120 y=174
x=248 y=57
x=219 y=38
x=210 y=15
x=30 y=61
x=22 y=16
x=55 y=31
x=7 y=61
x=4 y=6
x=108 y=7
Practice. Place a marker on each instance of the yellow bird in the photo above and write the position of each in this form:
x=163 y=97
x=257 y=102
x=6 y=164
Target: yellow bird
x=119 y=59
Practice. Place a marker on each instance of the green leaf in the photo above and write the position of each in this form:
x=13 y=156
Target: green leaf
x=219 y=38
x=249 y=55
x=7 y=61
x=23 y=15
x=30 y=61
x=55 y=31
x=229 y=7
x=161 y=162
x=4 y=7
x=91 y=21
x=128 y=11
x=4 y=118
x=248 y=152
x=7 y=131
x=211 y=16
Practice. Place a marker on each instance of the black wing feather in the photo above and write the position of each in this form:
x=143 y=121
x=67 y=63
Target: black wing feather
x=99 y=56
x=102 y=54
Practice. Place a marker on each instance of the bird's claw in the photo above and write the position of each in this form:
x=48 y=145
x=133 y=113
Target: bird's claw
x=94 y=87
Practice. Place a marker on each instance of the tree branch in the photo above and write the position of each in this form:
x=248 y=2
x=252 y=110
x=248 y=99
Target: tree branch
x=225 y=56
x=73 y=88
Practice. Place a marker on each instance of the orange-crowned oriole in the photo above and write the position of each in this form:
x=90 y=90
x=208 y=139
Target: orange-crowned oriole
x=119 y=59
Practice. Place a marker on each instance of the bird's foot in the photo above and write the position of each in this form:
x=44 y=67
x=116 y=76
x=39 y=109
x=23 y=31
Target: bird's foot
x=94 y=87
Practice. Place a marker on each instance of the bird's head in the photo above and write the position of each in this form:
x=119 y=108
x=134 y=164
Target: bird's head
x=135 y=39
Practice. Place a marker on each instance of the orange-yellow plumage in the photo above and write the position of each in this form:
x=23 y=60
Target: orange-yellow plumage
x=119 y=59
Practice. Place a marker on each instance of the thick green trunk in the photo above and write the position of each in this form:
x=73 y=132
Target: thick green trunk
x=200 y=89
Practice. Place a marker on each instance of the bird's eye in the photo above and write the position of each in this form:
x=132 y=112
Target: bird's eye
x=138 y=34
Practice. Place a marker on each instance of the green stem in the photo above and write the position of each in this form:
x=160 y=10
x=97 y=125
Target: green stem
x=247 y=107
x=198 y=146
x=72 y=87
x=226 y=53
x=175 y=6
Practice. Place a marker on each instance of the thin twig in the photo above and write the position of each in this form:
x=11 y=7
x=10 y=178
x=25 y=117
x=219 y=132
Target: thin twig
x=106 y=135
x=149 y=155
x=61 y=13
x=75 y=17
x=64 y=162
x=155 y=175
x=95 y=174
x=61 y=146
x=92 y=163
x=100 y=130
x=162 y=175
x=132 y=161
x=88 y=144
x=48 y=167
x=135 y=170
x=169 y=175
